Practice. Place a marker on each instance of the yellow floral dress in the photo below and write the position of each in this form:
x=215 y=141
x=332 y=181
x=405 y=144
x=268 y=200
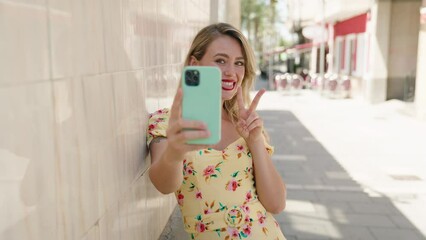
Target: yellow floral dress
x=218 y=197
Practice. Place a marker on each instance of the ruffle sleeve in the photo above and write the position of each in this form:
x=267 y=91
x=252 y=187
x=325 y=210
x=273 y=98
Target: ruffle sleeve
x=157 y=124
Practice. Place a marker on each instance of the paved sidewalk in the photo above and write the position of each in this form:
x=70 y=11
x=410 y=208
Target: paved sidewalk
x=353 y=170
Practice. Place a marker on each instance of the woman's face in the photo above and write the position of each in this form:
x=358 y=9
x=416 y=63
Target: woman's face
x=225 y=53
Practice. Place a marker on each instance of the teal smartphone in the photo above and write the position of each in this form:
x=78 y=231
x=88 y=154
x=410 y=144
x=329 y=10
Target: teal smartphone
x=202 y=100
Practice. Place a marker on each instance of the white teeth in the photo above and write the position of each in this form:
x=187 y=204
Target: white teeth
x=228 y=85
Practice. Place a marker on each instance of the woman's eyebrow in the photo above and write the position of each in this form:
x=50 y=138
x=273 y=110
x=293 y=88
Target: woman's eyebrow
x=226 y=55
x=221 y=55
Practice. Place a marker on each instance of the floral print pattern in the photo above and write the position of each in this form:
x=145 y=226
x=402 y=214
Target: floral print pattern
x=210 y=208
x=211 y=171
x=213 y=182
x=180 y=197
x=240 y=150
x=233 y=184
x=188 y=169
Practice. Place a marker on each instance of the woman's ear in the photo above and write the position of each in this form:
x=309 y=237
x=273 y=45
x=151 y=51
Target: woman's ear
x=193 y=61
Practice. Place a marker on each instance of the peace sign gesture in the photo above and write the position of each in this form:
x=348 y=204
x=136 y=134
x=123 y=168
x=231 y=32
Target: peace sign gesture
x=249 y=125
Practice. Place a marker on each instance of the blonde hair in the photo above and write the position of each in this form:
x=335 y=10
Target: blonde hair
x=199 y=47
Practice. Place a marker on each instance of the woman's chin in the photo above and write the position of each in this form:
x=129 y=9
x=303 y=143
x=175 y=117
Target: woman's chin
x=228 y=95
x=226 y=98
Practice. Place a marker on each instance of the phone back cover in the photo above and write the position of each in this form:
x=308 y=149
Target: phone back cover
x=203 y=102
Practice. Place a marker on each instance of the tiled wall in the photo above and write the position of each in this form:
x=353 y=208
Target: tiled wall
x=77 y=80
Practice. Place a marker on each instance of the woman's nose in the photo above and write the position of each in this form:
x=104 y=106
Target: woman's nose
x=229 y=70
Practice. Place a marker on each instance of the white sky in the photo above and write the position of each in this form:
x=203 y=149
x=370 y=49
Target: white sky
x=282 y=13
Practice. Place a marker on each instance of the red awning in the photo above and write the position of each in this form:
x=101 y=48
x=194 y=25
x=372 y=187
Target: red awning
x=357 y=24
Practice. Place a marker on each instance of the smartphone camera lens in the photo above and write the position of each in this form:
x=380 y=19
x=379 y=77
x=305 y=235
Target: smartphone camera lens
x=192 y=77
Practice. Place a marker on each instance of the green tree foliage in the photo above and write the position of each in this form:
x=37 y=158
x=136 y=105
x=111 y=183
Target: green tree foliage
x=259 y=20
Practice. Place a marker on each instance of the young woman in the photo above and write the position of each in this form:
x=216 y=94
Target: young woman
x=228 y=190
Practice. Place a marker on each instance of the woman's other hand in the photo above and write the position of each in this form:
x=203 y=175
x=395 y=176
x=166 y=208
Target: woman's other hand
x=250 y=125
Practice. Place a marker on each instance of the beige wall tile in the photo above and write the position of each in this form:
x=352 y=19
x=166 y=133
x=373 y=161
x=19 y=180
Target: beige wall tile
x=109 y=224
x=137 y=208
x=157 y=209
x=76 y=36
x=27 y=157
x=125 y=36
x=150 y=32
x=77 y=169
x=98 y=94
x=130 y=118
x=133 y=38
x=125 y=232
x=168 y=80
x=93 y=234
x=78 y=80
x=24 y=43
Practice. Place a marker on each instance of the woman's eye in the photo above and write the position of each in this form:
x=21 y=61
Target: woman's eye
x=239 y=63
x=220 y=61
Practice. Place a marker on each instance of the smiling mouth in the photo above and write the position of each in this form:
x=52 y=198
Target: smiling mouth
x=228 y=85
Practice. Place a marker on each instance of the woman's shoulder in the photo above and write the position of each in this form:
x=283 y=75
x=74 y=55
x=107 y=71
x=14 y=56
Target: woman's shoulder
x=164 y=112
x=157 y=124
x=159 y=118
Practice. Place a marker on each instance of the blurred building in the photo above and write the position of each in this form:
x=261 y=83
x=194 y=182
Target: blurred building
x=378 y=43
x=420 y=97
x=77 y=82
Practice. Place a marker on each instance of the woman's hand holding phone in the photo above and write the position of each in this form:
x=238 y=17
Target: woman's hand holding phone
x=250 y=124
x=202 y=94
x=176 y=136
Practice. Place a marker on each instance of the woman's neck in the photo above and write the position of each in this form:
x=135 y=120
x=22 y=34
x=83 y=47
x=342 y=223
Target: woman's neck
x=225 y=115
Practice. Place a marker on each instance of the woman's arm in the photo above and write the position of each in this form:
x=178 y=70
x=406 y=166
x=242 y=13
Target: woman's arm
x=269 y=184
x=166 y=168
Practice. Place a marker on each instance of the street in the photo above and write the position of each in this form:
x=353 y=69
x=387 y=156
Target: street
x=353 y=171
